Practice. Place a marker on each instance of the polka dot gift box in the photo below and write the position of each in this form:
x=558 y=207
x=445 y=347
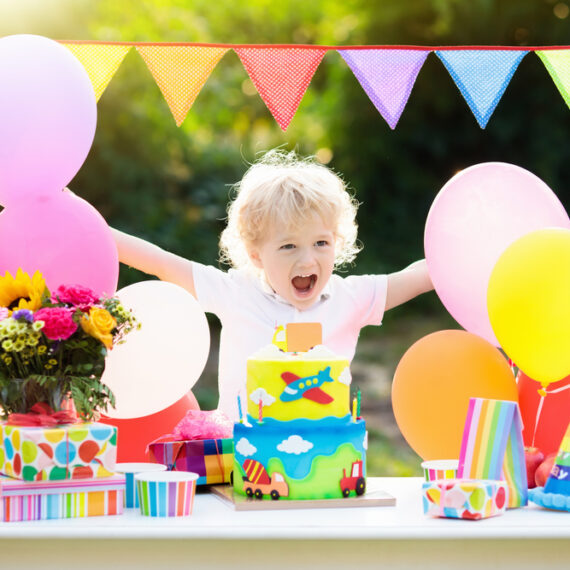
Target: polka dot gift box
x=464 y=498
x=73 y=451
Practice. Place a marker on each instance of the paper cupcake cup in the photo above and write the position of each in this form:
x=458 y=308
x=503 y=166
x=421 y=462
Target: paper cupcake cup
x=130 y=470
x=166 y=493
x=440 y=469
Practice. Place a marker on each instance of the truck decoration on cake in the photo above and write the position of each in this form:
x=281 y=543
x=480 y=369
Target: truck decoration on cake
x=257 y=482
x=307 y=387
x=355 y=482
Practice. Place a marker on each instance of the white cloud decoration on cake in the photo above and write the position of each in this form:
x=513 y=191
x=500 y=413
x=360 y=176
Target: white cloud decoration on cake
x=243 y=447
x=365 y=440
x=295 y=444
x=263 y=396
x=345 y=376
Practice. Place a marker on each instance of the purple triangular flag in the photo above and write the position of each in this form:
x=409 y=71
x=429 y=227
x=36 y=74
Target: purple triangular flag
x=482 y=75
x=387 y=76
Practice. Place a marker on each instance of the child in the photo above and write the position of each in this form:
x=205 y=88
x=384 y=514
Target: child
x=291 y=223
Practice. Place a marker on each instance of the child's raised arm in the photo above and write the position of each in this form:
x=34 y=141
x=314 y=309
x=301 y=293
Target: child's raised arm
x=151 y=259
x=408 y=283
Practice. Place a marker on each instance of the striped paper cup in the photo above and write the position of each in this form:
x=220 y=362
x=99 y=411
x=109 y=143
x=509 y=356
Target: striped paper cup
x=130 y=470
x=440 y=469
x=166 y=493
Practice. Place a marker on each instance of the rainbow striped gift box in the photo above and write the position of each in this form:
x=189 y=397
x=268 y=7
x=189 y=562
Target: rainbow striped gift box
x=492 y=447
x=211 y=459
x=41 y=500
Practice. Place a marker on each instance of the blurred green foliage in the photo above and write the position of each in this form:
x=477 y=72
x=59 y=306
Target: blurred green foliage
x=171 y=185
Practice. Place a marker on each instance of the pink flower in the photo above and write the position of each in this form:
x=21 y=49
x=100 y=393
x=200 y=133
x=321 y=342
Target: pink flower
x=58 y=322
x=4 y=313
x=75 y=295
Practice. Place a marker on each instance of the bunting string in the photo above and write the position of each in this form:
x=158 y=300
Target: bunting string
x=282 y=73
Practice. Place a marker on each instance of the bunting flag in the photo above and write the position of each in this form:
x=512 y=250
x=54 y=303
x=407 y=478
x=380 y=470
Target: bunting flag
x=387 y=76
x=100 y=61
x=482 y=75
x=180 y=72
x=557 y=62
x=281 y=76
x=282 y=73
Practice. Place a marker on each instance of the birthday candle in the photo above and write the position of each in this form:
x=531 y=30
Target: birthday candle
x=260 y=410
x=358 y=397
x=354 y=409
x=239 y=410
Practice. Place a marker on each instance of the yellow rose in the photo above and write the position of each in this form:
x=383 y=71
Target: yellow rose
x=99 y=325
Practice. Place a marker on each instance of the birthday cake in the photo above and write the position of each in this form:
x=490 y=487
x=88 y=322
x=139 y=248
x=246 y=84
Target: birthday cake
x=298 y=439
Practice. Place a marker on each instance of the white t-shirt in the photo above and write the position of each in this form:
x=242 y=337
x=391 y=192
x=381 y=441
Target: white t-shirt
x=249 y=311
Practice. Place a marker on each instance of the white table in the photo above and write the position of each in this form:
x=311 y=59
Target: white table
x=216 y=536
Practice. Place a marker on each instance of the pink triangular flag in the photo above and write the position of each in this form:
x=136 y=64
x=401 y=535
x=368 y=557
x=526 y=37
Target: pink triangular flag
x=281 y=76
x=387 y=76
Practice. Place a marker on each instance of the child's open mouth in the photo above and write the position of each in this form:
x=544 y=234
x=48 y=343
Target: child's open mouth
x=304 y=283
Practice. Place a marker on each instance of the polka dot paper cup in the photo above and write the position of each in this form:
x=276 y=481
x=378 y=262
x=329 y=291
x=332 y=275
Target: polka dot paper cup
x=166 y=493
x=130 y=470
x=440 y=469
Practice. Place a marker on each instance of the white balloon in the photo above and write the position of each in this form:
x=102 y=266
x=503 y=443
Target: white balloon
x=160 y=362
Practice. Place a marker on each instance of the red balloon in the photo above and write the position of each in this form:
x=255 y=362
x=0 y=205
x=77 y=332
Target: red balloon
x=545 y=417
x=135 y=434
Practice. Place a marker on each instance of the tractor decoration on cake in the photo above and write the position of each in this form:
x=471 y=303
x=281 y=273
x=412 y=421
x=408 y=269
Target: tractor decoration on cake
x=355 y=482
x=257 y=482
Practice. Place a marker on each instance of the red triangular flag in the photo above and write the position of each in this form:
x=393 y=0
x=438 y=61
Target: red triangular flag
x=281 y=76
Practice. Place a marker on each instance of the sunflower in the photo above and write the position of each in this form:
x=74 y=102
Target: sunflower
x=22 y=291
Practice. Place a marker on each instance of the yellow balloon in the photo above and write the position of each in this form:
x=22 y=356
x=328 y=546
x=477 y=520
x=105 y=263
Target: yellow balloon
x=528 y=299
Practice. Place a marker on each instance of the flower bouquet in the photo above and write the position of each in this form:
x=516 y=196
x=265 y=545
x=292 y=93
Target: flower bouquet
x=53 y=347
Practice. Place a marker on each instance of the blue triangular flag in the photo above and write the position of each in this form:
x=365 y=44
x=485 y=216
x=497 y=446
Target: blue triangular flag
x=482 y=75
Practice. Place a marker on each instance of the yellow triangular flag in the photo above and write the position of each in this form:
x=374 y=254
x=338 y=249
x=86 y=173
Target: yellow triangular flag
x=557 y=63
x=180 y=72
x=101 y=62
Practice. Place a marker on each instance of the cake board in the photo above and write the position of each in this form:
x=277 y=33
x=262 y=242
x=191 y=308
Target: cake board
x=372 y=498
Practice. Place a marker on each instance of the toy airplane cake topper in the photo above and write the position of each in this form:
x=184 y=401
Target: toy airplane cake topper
x=306 y=387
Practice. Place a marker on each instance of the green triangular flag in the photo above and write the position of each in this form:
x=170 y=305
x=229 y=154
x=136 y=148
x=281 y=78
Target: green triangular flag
x=557 y=62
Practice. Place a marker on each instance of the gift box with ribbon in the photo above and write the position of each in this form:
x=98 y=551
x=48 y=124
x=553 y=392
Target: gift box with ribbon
x=200 y=443
x=41 y=500
x=67 y=451
x=211 y=459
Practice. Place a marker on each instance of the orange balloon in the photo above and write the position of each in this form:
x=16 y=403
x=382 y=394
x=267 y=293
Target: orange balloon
x=545 y=415
x=433 y=383
x=134 y=434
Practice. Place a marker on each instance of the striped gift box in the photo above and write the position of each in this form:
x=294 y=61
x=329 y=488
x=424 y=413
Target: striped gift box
x=166 y=493
x=211 y=459
x=492 y=447
x=41 y=500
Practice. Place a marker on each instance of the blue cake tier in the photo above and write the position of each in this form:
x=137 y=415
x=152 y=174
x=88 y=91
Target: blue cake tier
x=300 y=459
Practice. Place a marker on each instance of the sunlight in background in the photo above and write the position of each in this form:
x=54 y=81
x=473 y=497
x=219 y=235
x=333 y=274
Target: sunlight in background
x=55 y=19
x=561 y=10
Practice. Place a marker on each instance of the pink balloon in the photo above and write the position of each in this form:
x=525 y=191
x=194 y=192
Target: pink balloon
x=62 y=236
x=473 y=219
x=48 y=115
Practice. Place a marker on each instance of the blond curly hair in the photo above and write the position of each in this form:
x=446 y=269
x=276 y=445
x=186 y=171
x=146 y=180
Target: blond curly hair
x=285 y=190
